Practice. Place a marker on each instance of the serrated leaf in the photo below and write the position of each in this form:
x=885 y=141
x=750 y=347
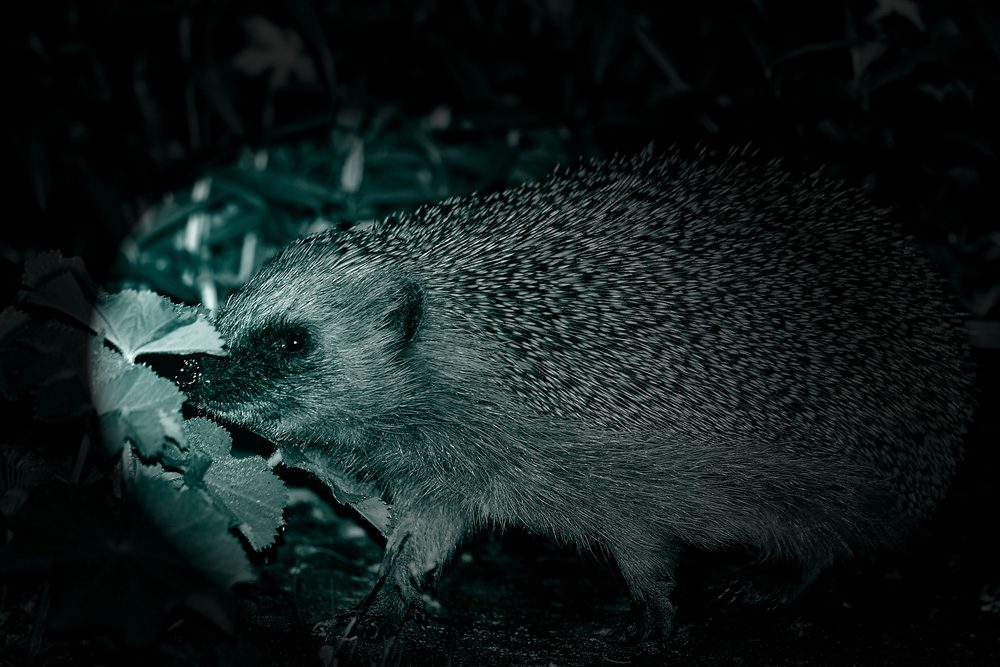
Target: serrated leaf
x=22 y=470
x=134 y=403
x=192 y=527
x=47 y=359
x=129 y=574
x=364 y=497
x=143 y=322
x=245 y=487
x=377 y=512
x=13 y=355
x=59 y=283
x=62 y=399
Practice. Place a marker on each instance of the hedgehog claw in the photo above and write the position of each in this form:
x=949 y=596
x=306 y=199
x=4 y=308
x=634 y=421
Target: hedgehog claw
x=381 y=616
x=646 y=621
x=367 y=626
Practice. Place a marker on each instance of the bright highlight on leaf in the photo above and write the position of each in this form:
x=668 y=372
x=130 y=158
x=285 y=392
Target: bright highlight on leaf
x=364 y=497
x=127 y=555
x=147 y=323
x=192 y=529
x=134 y=403
x=245 y=487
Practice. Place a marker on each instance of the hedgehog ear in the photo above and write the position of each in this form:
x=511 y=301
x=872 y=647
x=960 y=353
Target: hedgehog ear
x=407 y=312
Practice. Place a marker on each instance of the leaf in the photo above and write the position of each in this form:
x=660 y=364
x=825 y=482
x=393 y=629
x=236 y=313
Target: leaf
x=280 y=187
x=134 y=404
x=988 y=24
x=377 y=512
x=908 y=9
x=147 y=323
x=14 y=356
x=353 y=171
x=609 y=35
x=937 y=51
x=129 y=571
x=193 y=528
x=65 y=392
x=59 y=283
x=364 y=497
x=47 y=359
x=310 y=24
x=253 y=496
x=278 y=50
x=22 y=470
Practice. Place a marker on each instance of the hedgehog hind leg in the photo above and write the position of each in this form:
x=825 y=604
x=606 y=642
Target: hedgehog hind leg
x=768 y=582
x=649 y=575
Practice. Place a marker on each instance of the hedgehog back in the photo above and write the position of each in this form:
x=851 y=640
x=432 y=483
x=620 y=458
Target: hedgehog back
x=733 y=303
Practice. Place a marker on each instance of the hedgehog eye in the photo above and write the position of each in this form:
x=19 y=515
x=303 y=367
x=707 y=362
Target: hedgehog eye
x=288 y=340
x=294 y=341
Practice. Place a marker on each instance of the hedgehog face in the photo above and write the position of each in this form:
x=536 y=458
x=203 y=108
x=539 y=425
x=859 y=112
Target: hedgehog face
x=313 y=360
x=264 y=383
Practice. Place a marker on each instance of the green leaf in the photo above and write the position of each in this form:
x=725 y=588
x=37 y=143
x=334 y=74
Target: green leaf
x=147 y=323
x=245 y=487
x=65 y=393
x=377 y=512
x=192 y=527
x=15 y=328
x=129 y=566
x=364 y=497
x=134 y=403
x=22 y=470
x=280 y=187
x=47 y=359
x=59 y=283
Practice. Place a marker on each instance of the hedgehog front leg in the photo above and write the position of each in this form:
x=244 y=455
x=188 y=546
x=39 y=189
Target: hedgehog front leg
x=649 y=575
x=421 y=543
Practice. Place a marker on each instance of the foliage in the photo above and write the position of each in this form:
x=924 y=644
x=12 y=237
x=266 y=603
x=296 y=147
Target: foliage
x=148 y=530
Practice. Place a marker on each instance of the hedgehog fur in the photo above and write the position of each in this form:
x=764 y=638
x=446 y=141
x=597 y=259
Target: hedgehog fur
x=633 y=355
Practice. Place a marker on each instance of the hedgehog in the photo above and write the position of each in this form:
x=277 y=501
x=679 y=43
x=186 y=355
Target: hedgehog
x=633 y=356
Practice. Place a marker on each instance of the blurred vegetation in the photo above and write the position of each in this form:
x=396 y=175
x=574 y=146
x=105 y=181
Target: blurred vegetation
x=261 y=121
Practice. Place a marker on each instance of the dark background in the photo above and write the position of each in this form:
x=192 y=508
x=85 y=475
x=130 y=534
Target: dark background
x=110 y=106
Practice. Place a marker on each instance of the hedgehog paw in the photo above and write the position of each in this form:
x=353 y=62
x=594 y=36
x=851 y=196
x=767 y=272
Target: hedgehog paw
x=647 y=620
x=382 y=619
